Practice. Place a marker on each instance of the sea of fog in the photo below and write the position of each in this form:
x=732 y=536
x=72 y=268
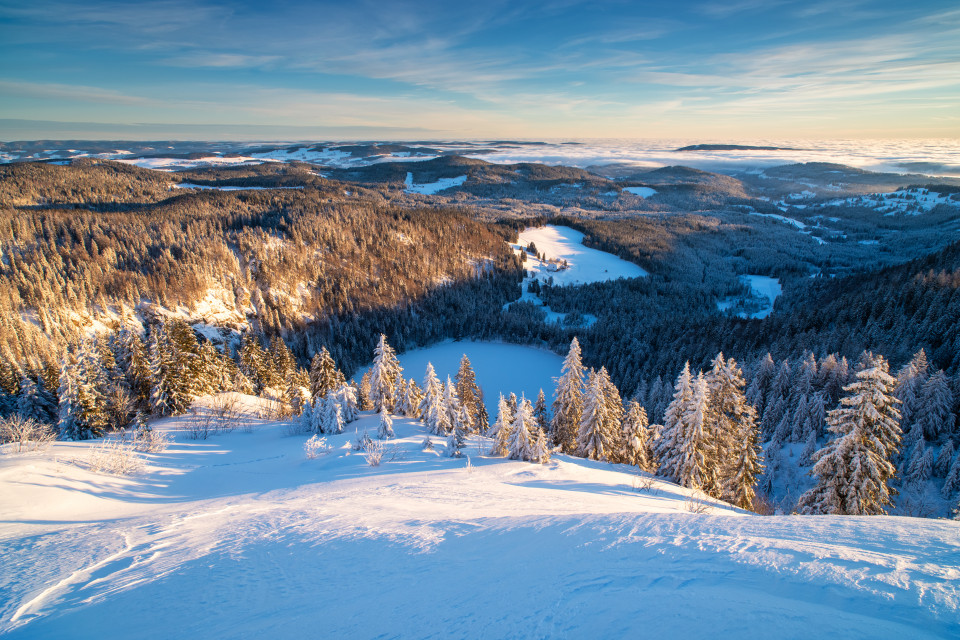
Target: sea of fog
x=929 y=156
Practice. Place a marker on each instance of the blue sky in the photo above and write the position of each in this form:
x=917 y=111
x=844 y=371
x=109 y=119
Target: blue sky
x=742 y=69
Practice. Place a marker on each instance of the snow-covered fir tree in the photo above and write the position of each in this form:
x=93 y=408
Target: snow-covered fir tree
x=522 y=431
x=740 y=487
x=540 y=450
x=469 y=393
x=499 y=431
x=944 y=457
x=568 y=403
x=385 y=428
x=432 y=410
x=324 y=376
x=33 y=401
x=854 y=469
x=937 y=407
x=920 y=467
x=540 y=412
x=951 y=484
x=68 y=408
x=595 y=440
x=636 y=437
x=697 y=470
x=457 y=439
x=383 y=376
x=669 y=446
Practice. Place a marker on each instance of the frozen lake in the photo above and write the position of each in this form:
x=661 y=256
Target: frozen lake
x=500 y=367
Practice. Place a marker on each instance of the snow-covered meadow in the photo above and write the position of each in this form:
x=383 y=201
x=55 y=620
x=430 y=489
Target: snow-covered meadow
x=243 y=536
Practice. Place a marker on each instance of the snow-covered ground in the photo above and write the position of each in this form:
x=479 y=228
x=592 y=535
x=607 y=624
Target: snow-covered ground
x=908 y=201
x=643 y=192
x=762 y=287
x=583 y=265
x=500 y=367
x=431 y=188
x=241 y=536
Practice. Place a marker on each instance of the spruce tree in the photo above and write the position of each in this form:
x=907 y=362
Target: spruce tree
x=936 y=414
x=540 y=412
x=740 y=489
x=385 y=429
x=520 y=443
x=431 y=408
x=468 y=391
x=951 y=484
x=697 y=470
x=636 y=437
x=540 y=451
x=568 y=405
x=499 y=431
x=853 y=470
x=383 y=376
x=68 y=409
x=669 y=447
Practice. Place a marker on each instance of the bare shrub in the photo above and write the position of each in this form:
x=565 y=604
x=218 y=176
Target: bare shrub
x=644 y=483
x=115 y=457
x=315 y=447
x=150 y=441
x=26 y=434
x=272 y=409
x=362 y=441
x=373 y=453
x=696 y=504
x=226 y=413
x=200 y=425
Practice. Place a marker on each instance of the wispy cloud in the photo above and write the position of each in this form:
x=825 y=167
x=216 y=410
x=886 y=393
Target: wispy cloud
x=68 y=92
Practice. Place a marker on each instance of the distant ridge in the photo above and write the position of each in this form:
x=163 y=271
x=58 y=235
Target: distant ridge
x=732 y=147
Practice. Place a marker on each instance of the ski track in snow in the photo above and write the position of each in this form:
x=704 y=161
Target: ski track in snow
x=241 y=536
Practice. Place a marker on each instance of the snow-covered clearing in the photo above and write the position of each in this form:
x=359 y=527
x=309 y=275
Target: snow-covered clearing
x=568 y=262
x=431 y=188
x=241 y=536
x=584 y=265
x=784 y=219
x=908 y=201
x=643 y=192
x=500 y=367
x=763 y=287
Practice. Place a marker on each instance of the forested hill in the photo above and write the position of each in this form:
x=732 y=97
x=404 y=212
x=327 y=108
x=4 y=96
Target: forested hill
x=84 y=244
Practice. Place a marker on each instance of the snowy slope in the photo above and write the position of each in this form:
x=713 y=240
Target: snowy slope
x=240 y=536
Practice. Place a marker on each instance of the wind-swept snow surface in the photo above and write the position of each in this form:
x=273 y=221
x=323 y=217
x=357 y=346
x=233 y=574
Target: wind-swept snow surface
x=241 y=536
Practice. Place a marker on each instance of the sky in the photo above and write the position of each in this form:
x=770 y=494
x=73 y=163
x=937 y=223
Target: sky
x=704 y=70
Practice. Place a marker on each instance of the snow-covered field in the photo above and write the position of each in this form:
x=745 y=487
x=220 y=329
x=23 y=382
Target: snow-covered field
x=585 y=265
x=430 y=188
x=643 y=192
x=762 y=287
x=500 y=367
x=241 y=536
